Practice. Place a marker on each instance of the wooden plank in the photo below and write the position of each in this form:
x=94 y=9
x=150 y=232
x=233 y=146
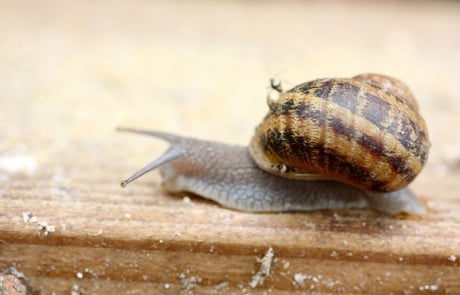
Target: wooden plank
x=61 y=160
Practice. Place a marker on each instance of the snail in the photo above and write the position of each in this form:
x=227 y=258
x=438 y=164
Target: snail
x=325 y=144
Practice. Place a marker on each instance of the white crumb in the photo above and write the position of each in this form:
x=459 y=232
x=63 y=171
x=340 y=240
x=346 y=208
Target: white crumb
x=264 y=271
x=29 y=217
x=316 y=279
x=431 y=288
x=331 y=284
x=221 y=288
x=188 y=283
x=75 y=290
x=452 y=258
x=299 y=279
x=44 y=228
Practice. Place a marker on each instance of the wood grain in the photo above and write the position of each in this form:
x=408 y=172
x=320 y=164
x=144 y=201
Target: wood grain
x=69 y=74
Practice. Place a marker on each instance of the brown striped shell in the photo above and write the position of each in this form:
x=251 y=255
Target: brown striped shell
x=365 y=131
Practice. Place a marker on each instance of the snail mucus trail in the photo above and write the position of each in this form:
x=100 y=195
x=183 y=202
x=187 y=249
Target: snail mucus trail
x=321 y=146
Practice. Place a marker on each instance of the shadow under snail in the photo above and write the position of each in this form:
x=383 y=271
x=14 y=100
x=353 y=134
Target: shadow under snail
x=325 y=144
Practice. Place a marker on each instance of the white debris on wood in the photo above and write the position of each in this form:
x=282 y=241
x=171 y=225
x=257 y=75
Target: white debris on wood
x=299 y=279
x=221 y=288
x=264 y=271
x=29 y=217
x=75 y=290
x=43 y=227
x=431 y=288
x=188 y=283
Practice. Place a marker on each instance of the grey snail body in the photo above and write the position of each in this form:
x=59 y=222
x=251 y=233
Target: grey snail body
x=227 y=175
x=325 y=144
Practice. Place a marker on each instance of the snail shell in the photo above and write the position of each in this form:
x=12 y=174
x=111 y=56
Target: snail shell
x=365 y=131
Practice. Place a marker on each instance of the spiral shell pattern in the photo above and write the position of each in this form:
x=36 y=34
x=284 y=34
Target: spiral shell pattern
x=365 y=131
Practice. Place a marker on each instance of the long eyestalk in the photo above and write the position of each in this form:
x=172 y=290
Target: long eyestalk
x=174 y=152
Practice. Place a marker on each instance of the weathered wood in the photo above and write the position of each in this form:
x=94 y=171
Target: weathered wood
x=104 y=234
x=61 y=160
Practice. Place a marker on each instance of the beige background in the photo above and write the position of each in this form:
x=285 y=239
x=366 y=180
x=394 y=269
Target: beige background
x=70 y=72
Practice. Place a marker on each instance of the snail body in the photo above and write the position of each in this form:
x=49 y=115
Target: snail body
x=227 y=175
x=269 y=176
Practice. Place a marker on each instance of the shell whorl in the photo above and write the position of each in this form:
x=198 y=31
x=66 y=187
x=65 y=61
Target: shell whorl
x=365 y=131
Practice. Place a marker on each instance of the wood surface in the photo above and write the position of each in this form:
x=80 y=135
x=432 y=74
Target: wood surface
x=71 y=72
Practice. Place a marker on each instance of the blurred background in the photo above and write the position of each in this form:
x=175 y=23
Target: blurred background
x=70 y=72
